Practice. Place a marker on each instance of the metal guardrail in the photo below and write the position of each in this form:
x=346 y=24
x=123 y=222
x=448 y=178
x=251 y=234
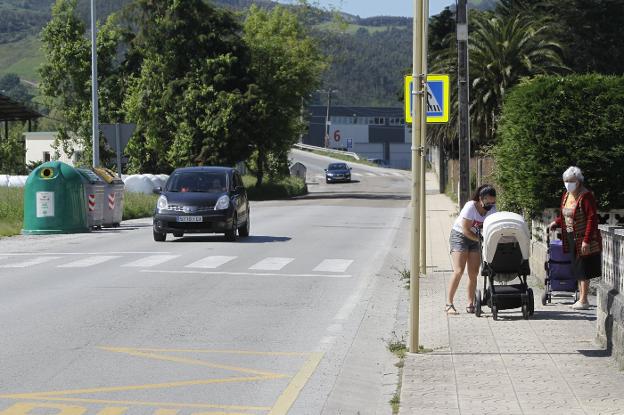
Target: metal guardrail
x=328 y=150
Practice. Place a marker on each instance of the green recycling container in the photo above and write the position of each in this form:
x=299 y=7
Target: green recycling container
x=54 y=200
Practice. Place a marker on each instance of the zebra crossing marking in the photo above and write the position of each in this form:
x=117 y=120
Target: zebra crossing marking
x=89 y=262
x=150 y=261
x=272 y=264
x=211 y=262
x=333 y=265
x=29 y=262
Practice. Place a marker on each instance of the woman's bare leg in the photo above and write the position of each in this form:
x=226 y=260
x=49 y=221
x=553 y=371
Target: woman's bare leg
x=459 y=264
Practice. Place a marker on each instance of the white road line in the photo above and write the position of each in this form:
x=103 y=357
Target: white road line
x=30 y=262
x=333 y=265
x=371 y=174
x=88 y=262
x=150 y=261
x=211 y=262
x=319 y=176
x=272 y=264
x=246 y=274
x=397 y=174
x=356 y=174
x=85 y=253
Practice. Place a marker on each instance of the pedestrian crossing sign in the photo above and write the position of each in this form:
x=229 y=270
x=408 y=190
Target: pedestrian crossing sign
x=438 y=98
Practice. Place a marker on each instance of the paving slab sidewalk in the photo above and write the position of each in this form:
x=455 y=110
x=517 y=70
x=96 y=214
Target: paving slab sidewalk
x=549 y=364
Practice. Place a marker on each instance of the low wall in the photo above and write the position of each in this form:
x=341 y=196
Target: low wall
x=610 y=294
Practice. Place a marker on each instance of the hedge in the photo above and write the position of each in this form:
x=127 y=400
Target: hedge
x=550 y=123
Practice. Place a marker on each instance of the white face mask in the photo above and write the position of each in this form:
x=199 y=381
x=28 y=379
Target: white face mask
x=570 y=186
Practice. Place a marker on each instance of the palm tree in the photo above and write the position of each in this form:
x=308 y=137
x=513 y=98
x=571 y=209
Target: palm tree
x=505 y=46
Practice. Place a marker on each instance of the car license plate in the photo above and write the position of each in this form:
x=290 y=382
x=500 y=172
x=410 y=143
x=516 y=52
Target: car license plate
x=190 y=219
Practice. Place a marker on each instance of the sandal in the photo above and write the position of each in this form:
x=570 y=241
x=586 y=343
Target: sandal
x=450 y=309
x=470 y=309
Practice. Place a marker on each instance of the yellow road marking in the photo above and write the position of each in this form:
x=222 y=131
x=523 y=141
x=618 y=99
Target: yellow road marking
x=140 y=387
x=113 y=410
x=233 y=352
x=290 y=394
x=195 y=362
x=24 y=408
x=152 y=404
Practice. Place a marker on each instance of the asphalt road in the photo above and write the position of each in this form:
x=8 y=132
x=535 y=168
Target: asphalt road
x=290 y=320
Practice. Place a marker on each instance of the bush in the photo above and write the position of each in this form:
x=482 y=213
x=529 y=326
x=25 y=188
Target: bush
x=550 y=123
x=281 y=189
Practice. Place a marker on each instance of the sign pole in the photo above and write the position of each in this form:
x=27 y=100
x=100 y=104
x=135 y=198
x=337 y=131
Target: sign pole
x=95 y=130
x=463 y=102
x=417 y=94
x=423 y=141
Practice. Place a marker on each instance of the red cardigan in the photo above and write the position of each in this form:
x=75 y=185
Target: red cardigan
x=589 y=207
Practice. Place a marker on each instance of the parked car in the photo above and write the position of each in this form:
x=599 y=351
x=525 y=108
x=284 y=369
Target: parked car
x=337 y=172
x=202 y=200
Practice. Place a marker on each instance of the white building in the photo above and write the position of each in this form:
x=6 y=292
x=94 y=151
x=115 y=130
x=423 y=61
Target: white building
x=39 y=147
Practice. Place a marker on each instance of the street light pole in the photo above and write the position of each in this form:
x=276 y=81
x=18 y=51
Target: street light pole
x=95 y=130
x=463 y=102
x=326 y=138
x=417 y=122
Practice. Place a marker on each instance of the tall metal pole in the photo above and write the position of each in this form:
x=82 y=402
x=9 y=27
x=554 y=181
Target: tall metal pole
x=95 y=130
x=423 y=141
x=464 y=122
x=326 y=138
x=417 y=108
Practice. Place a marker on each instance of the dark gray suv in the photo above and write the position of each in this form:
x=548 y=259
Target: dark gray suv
x=202 y=200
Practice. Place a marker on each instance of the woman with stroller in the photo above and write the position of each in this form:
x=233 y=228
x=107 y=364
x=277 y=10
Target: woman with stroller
x=464 y=243
x=578 y=221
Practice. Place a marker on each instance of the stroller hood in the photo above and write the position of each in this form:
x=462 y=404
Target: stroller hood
x=505 y=227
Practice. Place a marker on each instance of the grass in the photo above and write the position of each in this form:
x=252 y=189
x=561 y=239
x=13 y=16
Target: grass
x=11 y=210
x=22 y=57
x=351 y=28
x=281 y=189
x=138 y=205
x=404 y=275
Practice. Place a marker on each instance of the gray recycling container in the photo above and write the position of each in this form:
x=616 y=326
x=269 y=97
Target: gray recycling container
x=113 y=197
x=94 y=196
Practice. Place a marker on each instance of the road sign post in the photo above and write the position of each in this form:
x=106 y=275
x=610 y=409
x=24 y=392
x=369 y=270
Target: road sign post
x=117 y=137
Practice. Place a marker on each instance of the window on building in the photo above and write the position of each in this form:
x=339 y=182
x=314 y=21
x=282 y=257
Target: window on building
x=46 y=156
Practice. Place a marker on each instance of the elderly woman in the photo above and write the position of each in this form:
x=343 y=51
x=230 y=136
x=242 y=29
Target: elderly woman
x=464 y=242
x=578 y=221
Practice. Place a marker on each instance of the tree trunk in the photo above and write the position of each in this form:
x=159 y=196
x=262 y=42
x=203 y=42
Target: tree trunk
x=260 y=168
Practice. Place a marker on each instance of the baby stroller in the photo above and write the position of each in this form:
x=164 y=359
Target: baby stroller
x=505 y=257
x=559 y=275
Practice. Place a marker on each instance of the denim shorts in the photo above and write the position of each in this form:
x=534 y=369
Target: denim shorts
x=461 y=243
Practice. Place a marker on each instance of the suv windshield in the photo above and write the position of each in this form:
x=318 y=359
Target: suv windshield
x=199 y=182
x=337 y=166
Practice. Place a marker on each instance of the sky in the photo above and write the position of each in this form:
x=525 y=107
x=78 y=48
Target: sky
x=368 y=8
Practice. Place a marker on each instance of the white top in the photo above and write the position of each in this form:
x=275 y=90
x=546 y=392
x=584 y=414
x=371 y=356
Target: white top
x=471 y=213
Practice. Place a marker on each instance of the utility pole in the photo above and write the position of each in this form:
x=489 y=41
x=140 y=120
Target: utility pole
x=418 y=101
x=95 y=129
x=326 y=138
x=464 y=122
x=423 y=140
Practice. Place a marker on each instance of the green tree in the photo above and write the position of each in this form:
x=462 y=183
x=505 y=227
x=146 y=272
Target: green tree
x=66 y=75
x=286 y=66
x=11 y=86
x=192 y=94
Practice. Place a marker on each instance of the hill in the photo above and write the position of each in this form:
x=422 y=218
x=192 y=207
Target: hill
x=368 y=56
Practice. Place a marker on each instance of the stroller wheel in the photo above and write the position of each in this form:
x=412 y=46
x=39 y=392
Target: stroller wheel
x=525 y=311
x=531 y=302
x=478 y=304
x=544 y=298
x=495 y=312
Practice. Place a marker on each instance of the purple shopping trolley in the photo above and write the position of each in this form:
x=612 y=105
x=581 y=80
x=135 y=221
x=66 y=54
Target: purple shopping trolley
x=560 y=278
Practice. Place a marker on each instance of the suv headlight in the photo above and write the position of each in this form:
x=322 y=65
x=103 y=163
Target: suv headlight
x=223 y=203
x=162 y=203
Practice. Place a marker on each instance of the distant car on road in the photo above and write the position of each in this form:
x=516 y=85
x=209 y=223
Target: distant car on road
x=202 y=200
x=380 y=162
x=337 y=172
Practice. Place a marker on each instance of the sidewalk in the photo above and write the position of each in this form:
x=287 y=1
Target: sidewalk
x=549 y=364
